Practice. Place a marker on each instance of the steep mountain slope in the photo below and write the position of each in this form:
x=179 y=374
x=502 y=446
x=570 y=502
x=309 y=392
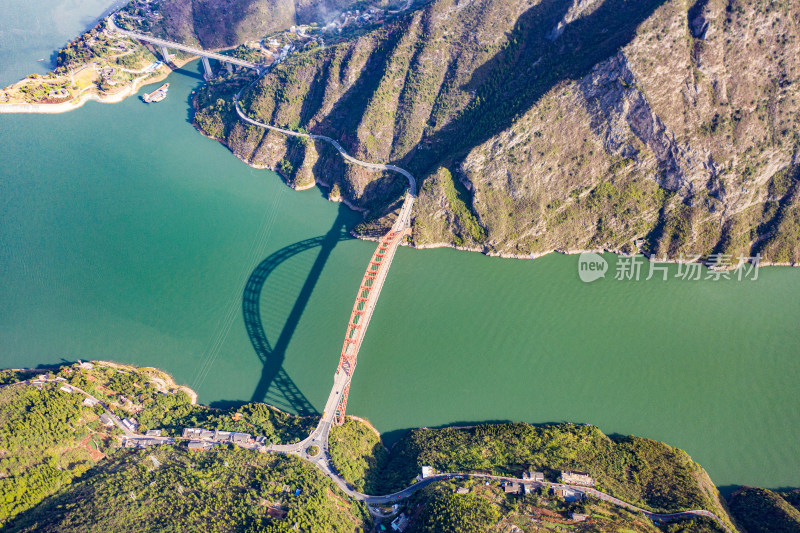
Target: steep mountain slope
x=565 y=124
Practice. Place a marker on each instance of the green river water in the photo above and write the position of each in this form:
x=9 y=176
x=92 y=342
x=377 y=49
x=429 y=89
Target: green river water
x=126 y=235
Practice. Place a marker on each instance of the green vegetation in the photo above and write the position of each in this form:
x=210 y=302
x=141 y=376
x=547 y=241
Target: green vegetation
x=285 y=167
x=455 y=195
x=140 y=393
x=446 y=511
x=698 y=524
x=45 y=440
x=247 y=53
x=793 y=497
x=59 y=470
x=643 y=472
x=254 y=418
x=762 y=510
x=173 y=489
x=555 y=140
x=358 y=455
x=486 y=507
x=12 y=376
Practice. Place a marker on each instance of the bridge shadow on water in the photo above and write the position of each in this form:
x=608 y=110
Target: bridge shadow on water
x=275 y=386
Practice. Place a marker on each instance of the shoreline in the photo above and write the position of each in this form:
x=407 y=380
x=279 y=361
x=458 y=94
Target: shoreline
x=133 y=88
x=93 y=95
x=160 y=377
x=560 y=251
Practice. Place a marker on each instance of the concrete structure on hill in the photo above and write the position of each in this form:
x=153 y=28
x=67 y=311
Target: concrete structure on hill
x=575 y=477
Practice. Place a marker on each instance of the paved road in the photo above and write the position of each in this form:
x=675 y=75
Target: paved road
x=320 y=435
x=113 y=417
x=412 y=182
x=178 y=46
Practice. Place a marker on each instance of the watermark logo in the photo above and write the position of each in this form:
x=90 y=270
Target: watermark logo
x=591 y=267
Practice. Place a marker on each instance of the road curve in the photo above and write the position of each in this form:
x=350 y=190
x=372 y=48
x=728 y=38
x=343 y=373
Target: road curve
x=323 y=462
x=319 y=436
x=412 y=182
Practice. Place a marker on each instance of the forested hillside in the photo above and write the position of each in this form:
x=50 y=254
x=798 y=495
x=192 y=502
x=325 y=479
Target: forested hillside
x=562 y=124
x=765 y=511
x=47 y=438
x=61 y=470
x=173 y=489
x=646 y=473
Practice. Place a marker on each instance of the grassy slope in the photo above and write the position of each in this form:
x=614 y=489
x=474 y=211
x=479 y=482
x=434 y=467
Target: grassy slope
x=216 y=491
x=156 y=409
x=762 y=510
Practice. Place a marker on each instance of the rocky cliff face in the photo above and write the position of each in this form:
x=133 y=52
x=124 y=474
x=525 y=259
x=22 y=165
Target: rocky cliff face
x=667 y=125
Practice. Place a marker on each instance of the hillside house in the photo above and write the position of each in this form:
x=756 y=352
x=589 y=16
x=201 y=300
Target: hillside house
x=575 y=477
x=536 y=477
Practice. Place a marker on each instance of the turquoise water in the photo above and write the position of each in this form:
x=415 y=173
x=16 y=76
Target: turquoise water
x=126 y=235
x=31 y=30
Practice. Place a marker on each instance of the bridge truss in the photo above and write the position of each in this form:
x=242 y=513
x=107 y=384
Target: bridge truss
x=366 y=298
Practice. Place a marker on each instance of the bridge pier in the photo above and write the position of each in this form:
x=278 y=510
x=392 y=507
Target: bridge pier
x=207 y=67
x=165 y=53
x=229 y=67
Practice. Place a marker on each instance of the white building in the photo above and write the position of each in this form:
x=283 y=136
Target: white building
x=400 y=523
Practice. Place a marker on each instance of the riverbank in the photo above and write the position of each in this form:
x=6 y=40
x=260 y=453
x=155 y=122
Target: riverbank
x=94 y=94
x=669 y=485
x=163 y=381
x=485 y=250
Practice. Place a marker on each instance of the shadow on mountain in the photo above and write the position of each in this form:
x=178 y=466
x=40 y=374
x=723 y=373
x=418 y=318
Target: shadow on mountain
x=275 y=386
x=518 y=76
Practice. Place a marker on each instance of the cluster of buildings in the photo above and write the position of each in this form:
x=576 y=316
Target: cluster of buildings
x=400 y=523
x=205 y=439
x=532 y=480
x=144 y=442
x=356 y=18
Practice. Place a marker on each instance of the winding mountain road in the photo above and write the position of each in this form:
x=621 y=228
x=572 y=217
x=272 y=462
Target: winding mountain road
x=319 y=437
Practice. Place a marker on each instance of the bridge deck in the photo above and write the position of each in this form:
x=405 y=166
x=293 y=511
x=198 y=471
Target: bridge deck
x=366 y=298
x=178 y=46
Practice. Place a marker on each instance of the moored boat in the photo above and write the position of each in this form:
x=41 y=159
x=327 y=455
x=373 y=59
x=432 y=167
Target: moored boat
x=157 y=95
